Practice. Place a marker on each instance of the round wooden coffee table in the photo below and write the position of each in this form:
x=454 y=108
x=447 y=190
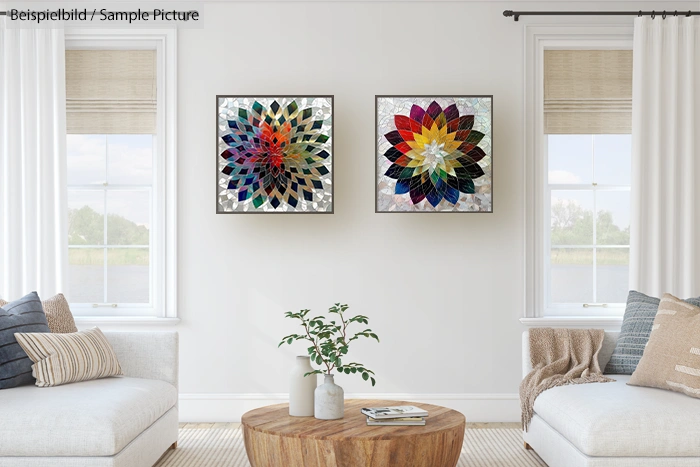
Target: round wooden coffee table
x=273 y=438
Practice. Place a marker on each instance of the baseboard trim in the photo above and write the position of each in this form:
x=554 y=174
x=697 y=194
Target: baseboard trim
x=229 y=407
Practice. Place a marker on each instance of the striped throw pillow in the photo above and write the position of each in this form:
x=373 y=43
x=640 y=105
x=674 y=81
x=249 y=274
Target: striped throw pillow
x=68 y=358
x=671 y=359
x=23 y=315
x=58 y=313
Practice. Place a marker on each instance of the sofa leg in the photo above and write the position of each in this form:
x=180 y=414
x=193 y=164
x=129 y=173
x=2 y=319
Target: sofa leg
x=174 y=445
x=527 y=446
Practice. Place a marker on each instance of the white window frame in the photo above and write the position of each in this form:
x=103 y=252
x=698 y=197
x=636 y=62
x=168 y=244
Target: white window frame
x=539 y=38
x=163 y=246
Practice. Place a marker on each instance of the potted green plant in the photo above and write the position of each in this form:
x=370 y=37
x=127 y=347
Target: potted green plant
x=330 y=341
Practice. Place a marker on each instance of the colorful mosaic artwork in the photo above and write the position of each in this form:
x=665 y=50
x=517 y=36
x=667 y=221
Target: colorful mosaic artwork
x=434 y=154
x=274 y=154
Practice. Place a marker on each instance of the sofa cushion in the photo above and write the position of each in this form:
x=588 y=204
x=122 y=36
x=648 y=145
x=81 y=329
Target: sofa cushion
x=672 y=356
x=636 y=326
x=616 y=420
x=90 y=418
x=23 y=315
x=69 y=357
x=58 y=313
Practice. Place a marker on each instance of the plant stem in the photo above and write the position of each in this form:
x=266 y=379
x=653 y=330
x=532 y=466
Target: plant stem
x=345 y=324
x=318 y=351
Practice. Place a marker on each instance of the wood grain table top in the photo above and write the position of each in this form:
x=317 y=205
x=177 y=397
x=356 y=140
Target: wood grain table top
x=275 y=419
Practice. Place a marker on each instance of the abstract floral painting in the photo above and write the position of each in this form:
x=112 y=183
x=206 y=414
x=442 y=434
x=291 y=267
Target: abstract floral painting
x=274 y=154
x=434 y=154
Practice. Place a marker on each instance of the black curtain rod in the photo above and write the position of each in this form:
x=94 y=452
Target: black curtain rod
x=517 y=14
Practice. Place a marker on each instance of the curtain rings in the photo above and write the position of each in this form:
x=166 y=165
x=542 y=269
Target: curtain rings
x=663 y=16
x=653 y=14
x=640 y=14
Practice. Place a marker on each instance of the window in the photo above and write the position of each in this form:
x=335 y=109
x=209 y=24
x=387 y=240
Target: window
x=578 y=99
x=110 y=219
x=120 y=173
x=588 y=202
x=587 y=149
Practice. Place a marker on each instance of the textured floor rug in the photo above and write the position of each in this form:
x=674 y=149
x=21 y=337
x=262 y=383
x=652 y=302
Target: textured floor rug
x=222 y=446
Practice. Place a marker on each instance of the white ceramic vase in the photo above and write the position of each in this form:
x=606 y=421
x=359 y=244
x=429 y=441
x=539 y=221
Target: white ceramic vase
x=329 y=401
x=301 y=388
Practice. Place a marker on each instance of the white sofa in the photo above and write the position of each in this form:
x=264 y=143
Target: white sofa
x=127 y=421
x=613 y=424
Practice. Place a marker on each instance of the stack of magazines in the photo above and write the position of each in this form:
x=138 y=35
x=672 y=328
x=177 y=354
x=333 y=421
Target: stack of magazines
x=402 y=415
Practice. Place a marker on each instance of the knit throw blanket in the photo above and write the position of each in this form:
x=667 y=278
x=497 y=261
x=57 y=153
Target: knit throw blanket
x=560 y=357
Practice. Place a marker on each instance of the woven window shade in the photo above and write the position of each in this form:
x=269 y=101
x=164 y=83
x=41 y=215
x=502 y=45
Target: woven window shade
x=587 y=91
x=111 y=91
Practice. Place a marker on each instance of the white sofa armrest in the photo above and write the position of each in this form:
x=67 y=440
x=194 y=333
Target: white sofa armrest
x=151 y=355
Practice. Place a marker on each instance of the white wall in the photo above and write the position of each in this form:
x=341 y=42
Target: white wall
x=444 y=292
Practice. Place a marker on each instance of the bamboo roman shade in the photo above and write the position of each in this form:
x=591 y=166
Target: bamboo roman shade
x=111 y=91
x=587 y=91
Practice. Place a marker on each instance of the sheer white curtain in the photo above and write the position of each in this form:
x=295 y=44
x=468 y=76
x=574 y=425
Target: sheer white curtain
x=665 y=228
x=33 y=195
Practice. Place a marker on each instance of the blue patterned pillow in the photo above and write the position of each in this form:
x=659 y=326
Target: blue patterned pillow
x=23 y=315
x=634 y=335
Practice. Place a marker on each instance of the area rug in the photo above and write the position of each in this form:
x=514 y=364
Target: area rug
x=222 y=446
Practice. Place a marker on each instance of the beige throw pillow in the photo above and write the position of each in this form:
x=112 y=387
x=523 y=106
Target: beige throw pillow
x=68 y=358
x=58 y=314
x=671 y=359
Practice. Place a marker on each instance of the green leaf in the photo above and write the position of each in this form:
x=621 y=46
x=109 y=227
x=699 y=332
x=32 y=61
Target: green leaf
x=337 y=361
x=365 y=376
x=289 y=341
x=346 y=370
x=373 y=381
x=354 y=370
x=319 y=360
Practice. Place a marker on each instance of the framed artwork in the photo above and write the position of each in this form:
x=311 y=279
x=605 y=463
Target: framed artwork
x=434 y=153
x=274 y=154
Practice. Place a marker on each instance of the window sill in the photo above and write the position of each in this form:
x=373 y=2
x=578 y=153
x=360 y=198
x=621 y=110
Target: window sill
x=83 y=321
x=609 y=323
